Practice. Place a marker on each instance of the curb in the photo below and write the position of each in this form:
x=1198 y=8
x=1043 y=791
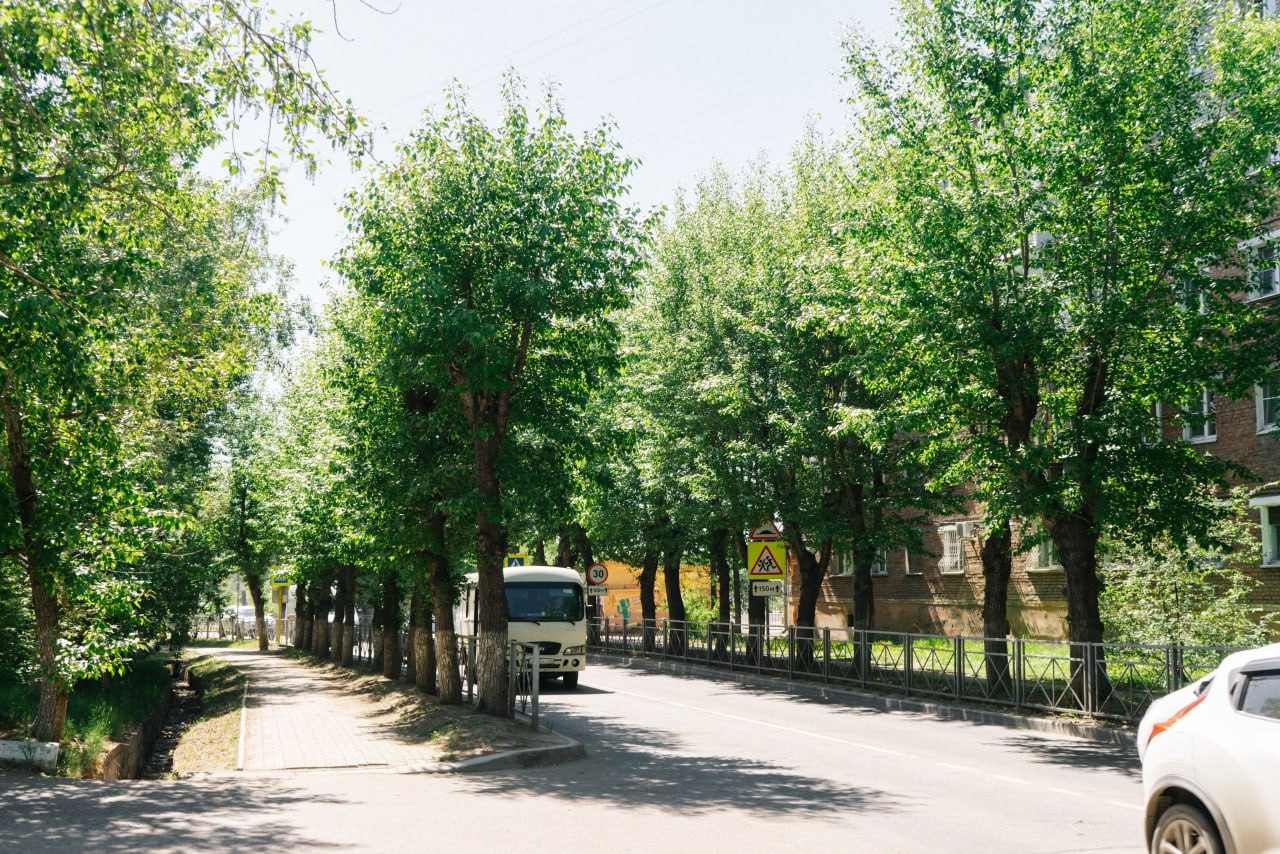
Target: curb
x=943 y=711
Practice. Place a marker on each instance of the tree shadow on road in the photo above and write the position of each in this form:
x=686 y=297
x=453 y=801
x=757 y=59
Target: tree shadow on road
x=1076 y=753
x=45 y=814
x=645 y=767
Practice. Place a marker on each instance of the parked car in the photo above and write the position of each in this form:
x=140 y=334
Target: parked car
x=1211 y=760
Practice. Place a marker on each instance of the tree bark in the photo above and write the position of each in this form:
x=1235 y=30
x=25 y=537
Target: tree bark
x=51 y=708
x=299 y=613
x=391 y=652
x=540 y=553
x=678 y=629
x=1076 y=537
x=813 y=569
x=424 y=672
x=337 y=640
x=254 y=582
x=349 y=637
x=593 y=602
x=648 y=602
x=320 y=636
x=375 y=635
x=997 y=567
x=718 y=548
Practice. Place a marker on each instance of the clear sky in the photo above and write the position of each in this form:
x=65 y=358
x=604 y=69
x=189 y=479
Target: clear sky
x=688 y=83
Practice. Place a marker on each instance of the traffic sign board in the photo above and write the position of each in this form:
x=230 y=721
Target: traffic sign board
x=597 y=590
x=766 y=559
x=766 y=588
x=766 y=531
x=280 y=578
x=597 y=573
x=517 y=560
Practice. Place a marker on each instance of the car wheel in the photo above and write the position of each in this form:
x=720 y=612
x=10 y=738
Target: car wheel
x=571 y=679
x=1184 y=829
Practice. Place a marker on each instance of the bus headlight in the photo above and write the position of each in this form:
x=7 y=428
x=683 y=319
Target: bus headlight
x=574 y=650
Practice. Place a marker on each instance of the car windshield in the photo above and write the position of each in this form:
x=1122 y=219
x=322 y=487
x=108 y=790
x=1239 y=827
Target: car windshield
x=538 y=601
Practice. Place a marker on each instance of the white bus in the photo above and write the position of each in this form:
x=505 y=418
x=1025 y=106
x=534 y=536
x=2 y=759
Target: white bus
x=546 y=605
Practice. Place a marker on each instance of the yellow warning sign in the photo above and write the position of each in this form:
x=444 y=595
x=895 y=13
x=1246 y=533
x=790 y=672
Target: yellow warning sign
x=766 y=559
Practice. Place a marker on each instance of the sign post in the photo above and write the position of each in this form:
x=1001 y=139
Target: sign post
x=280 y=586
x=597 y=575
x=767 y=563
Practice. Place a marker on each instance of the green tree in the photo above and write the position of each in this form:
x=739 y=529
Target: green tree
x=1053 y=194
x=495 y=256
x=106 y=105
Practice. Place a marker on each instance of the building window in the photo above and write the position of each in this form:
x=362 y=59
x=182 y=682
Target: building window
x=1043 y=556
x=1265 y=278
x=843 y=565
x=1199 y=419
x=881 y=566
x=952 y=560
x=1267 y=395
x=1269 y=511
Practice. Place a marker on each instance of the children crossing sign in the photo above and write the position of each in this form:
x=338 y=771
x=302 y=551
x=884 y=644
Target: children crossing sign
x=766 y=559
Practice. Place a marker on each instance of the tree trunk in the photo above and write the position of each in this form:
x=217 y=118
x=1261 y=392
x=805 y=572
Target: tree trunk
x=424 y=673
x=375 y=634
x=864 y=595
x=540 y=553
x=678 y=629
x=443 y=594
x=320 y=638
x=813 y=569
x=997 y=567
x=349 y=638
x=51 y=710
x=491 y=549
x=254 y=583
x=648 y=602
x=566 y=554
x=718 y=548
x=1077 y=540
x=337 y=640
x=299 y=613
x=593 y=602
x=391 y=652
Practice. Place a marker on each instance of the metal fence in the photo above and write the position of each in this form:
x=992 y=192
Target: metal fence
x=1109 y=681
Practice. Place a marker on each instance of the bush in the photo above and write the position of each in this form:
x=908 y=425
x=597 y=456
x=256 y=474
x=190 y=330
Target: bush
x=1189 y=593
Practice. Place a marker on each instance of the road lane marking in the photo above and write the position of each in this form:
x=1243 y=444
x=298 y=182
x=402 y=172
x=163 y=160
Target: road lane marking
x=1133 y=807
x=754 y=722
x=964 y=768
x=1068 y=792
x=1016 y=780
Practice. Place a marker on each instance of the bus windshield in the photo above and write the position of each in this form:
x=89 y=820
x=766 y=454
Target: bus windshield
x=539 y=601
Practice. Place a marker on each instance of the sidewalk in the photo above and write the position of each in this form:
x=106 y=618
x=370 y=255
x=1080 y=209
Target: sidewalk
x=296 y=719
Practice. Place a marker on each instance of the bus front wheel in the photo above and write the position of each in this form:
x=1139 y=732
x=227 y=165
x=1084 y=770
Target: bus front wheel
x=571 y=679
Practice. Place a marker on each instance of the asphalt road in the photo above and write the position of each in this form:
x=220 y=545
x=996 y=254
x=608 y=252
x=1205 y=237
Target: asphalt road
x=675 y=764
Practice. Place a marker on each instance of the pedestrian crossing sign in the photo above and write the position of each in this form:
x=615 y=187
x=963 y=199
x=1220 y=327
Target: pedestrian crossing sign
x=766 y=559
x=517 y=560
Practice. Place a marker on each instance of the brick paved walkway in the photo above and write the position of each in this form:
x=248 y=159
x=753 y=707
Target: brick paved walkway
x=295 y=718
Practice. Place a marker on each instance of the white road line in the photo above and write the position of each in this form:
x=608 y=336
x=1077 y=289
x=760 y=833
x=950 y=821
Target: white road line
x=1016 y=780
x=759 y=723
x=1068 y=792
x=1127 y=806
x=964 y=768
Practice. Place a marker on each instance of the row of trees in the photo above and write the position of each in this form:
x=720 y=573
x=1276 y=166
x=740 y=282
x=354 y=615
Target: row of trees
x=1027 y=242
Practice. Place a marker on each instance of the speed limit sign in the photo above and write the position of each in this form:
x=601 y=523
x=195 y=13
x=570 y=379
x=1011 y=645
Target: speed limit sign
x=597 y=573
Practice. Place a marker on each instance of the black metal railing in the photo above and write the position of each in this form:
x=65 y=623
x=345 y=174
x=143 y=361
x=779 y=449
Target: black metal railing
x=1109 y=681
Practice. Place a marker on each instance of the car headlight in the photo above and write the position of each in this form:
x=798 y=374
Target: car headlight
x=574 y=650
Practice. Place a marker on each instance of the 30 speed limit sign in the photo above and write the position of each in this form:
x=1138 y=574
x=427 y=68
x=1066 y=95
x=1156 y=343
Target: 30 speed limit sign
x=597 y=573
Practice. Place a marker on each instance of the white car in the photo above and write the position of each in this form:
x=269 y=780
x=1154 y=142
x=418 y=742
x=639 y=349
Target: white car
x=1211 y=761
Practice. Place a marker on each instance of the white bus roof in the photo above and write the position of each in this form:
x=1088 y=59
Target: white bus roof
x=533 y=573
